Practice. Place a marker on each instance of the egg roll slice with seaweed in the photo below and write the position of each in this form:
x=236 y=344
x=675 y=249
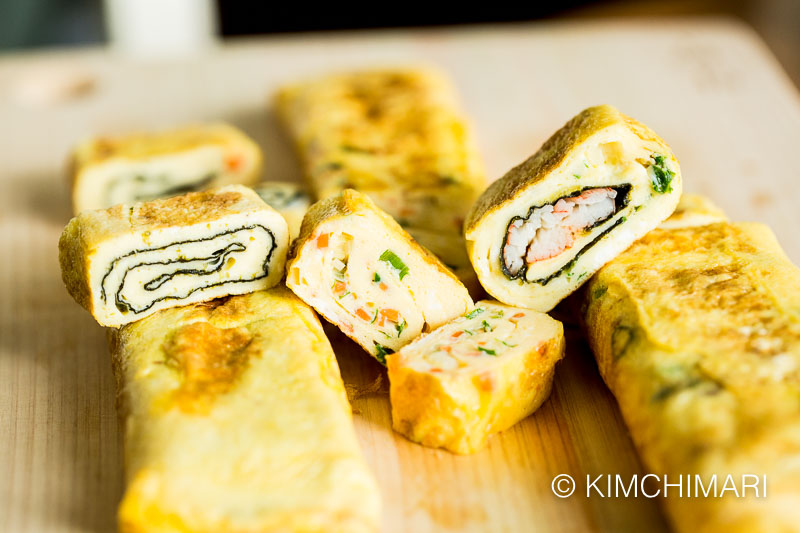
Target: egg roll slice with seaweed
x=139 y=167
x=397 y=135
x=235 y=419
x=475 y=376
x=361 y=271
x=696 y=331
x=129 y=261
x=598 y=184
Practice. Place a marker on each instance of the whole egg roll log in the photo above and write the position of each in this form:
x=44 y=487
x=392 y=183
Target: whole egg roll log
x=129 y=261
x=139 y=167
x=397 y=135
x=696 y=331
x=598 y=184
x=289 y=199
x=474 y=376
x=235 y=419
x=361 y=271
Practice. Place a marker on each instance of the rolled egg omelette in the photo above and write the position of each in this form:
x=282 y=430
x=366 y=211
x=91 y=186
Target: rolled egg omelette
x=138 y=167
x=128 y=261
x=235 y=419
x=397 y=135
x=696 y=331
x=361 y=271
x=598 y=184
x=477 y=375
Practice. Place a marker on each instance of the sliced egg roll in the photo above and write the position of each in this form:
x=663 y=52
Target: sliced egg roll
x=361 y=271
x=397 y=135
x=128 y=261
x=598 y=184
x=289 y=199
x=696 y=331
x=139 y=167
x=694 y=210
x=474 y=376
x=235 y=419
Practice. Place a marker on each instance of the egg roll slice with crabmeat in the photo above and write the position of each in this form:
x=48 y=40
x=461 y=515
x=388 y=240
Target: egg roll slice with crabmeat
x=235 y=419
x=598 y=184
x=478 y=374
x=361 y=271
x=129 y=261
x=139 y=167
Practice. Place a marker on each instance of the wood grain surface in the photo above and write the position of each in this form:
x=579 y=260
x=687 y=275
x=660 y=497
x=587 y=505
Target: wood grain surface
x=709 y=87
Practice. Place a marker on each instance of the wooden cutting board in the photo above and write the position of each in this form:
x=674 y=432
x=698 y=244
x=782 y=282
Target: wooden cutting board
x=709 y=87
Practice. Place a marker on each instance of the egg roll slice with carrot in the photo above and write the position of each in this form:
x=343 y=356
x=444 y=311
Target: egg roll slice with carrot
x=478 y=374
x=361 y=271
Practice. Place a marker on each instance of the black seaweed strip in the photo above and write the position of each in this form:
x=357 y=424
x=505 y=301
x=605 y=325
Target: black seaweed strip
x=155 y=284
x=619 y=205
x=114 y=262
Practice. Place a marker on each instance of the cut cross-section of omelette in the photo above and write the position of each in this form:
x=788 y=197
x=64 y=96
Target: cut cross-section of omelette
x=235 y=419
x=361 y=271
x=139 y=167
x=598 y=184
x=129 y=261
x=478 y=374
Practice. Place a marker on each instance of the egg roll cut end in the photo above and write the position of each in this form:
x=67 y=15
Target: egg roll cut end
x=139 y=167
x=128 y=261
x=594 y=187
x=475 y=376
x=362 y=272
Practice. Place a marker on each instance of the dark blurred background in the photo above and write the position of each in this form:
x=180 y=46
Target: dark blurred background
x=45 y=23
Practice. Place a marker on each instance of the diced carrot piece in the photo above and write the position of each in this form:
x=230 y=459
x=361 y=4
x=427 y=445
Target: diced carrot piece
x=234 y=162
x=457 y=334
x=363 y=315
x=339 y=288
x=383 y=286
x=436 y=370
x=447 y=349
x=391 y=314
x=322 y=240
x=516 y=317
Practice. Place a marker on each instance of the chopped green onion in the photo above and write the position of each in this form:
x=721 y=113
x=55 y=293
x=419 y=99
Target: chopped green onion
x=391 y=258
x=486 y=326
x=376 y=278
x=381 y=352
x=469 y=332
x=400 y=327
x=475 y=312
x=374 y=318
x=509 y=345
x=487 y=350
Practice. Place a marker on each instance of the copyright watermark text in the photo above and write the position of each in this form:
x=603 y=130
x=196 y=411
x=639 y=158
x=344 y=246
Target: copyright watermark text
x=653 y=486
